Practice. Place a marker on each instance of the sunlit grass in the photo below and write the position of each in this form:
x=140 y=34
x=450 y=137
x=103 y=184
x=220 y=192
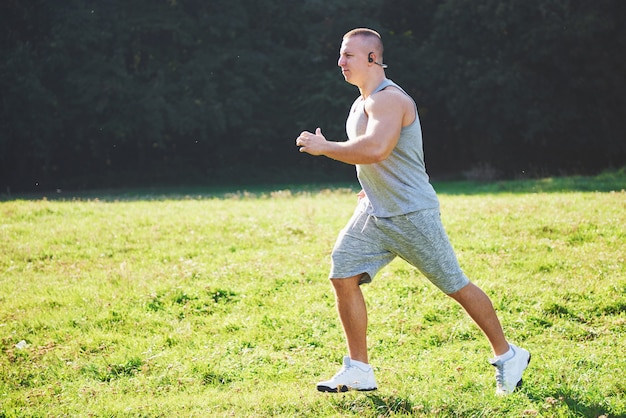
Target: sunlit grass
x=200 y=305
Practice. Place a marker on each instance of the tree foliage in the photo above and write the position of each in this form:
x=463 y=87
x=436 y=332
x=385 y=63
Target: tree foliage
x=100 y=93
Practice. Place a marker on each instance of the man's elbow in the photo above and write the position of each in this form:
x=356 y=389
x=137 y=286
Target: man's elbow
x=379 y=156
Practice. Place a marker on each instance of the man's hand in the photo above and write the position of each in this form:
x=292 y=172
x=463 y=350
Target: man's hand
x=312 y=143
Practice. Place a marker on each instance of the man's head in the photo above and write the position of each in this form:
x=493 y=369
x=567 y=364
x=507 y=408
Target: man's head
x=371 y=38
x=361 y=54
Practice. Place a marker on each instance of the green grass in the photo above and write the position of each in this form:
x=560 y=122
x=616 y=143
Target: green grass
x=190 y=303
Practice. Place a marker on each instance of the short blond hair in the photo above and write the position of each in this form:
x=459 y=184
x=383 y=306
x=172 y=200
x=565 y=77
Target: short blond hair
x=369 y=34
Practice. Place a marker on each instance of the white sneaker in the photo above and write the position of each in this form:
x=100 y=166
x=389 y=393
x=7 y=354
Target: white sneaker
x=509 y=373
x=350 y=377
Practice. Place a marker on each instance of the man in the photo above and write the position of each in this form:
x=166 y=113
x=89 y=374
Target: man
x=397 y=215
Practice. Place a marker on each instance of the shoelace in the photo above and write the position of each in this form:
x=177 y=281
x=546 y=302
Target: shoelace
x=499 y=375
x=341 y=371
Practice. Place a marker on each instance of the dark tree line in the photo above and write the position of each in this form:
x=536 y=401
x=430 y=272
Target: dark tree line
x=109 y=92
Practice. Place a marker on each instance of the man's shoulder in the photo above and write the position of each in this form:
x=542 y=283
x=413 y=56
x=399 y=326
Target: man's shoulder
x=389 y=97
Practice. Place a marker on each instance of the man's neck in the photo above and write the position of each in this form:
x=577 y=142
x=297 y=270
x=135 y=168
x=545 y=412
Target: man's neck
x=370 y=85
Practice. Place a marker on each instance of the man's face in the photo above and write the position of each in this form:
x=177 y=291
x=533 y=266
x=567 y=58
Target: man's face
x=353 y=59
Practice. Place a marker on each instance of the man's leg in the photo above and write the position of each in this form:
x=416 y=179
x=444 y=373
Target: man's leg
x=479 y=307
x=353 y=315
x=510 y=365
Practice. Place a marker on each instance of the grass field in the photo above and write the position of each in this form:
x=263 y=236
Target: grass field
x=194 y=304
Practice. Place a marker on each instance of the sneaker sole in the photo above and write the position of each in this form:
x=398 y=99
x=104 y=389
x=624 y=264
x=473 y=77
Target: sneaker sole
x=342 y=388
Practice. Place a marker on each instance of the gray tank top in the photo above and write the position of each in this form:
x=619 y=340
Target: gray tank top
x=399 y=184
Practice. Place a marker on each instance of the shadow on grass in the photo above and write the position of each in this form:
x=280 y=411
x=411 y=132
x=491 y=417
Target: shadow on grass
x=376 y=405
x=609 y=181
x=158 y=193
x=575 y=406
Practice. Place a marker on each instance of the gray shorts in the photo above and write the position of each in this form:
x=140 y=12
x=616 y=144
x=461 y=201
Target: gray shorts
x=368 y=243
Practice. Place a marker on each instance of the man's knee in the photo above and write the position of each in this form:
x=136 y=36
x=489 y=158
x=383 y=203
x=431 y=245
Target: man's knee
x=347 y=283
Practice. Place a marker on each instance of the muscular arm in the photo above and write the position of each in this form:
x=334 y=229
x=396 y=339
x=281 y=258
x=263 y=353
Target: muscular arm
x=386 y=112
